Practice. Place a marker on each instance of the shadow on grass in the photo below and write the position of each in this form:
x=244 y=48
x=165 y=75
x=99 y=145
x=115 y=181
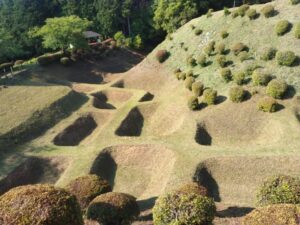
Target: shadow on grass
x=234 y=212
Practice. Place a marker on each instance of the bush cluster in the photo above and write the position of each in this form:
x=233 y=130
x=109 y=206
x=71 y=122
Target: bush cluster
x=113 y=208
x=226 y=74
x=294 y=2
x=268 y=11
x=197 y=88
x=47 y=59
x=268 y=53
x=210 y=48
x=86 y=188
x=237 y=94
x=193 y=103
x=267 y=104
x=201 y=60
x=226 y=11
x=243 y=9
x=252 y=14
x=210 y=96
x=277 y=88
x=278 y=190
x=281 y=214
x=297 y=30
x=221 y=60
x=224 y=34
x=198 y=31
x=239 y=47
x=39 y=204
x=239 y=77
x=220 y=48
x=286 y=58
x=282 y=27
x=260 y=78
x=175 y=208
x=162 y=55
x=189 y=82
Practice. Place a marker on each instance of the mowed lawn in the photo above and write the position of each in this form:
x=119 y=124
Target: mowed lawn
x=18 y=103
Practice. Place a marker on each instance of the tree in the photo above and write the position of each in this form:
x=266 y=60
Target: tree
x=59 y=33
x=8 y=49
x=171 y=14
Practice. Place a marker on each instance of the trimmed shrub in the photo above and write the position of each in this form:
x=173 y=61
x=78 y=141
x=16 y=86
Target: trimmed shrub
x=221 y=60
x=193 y=103
x=235 y=14
x=191 y=61
x=294 y=2
x=220 y=48
x=201 y=60
x=243 y=9
x=192 y=209
x=189 y=82
x=237 y=94
x=286 y=58
x=197 y=88
x=268 y=11
x=226 y=11
x=276 y=88
x=252 y=14
x=243 y=56
x=190 y=74
x=282 y=27
x=267 y=104
x=39 y=204
x=210 y=48
x=281 y=214
x=19 y=62
x=65 y=61
x=198 y=31
x=251 y=68
x=268 y=53
x=86 y=188
x=209 y=13
x=113 y=208
x=47 y=59
x=210 y=96
x=297 y=30
x=182 y=76
x=278 y=190
x=224 y=34
x=162 y=55
x=226 y=74
x=192 y=26
x=261 y=78
x=192 y=188
x=239 y=47
x=239 y=77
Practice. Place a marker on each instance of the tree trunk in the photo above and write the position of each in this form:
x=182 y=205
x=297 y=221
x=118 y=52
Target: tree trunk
x=129 y=27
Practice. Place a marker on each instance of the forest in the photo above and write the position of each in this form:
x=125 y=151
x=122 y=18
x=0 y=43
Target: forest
x=151 y=20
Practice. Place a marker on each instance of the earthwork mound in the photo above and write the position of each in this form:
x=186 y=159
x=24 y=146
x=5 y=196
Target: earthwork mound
x=34 y=170
x=132 y=125
x=75 y=133
x=140 y=170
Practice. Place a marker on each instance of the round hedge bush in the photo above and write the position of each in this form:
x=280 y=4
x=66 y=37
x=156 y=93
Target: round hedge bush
x=226 y=74
x=198 y=32
x=197 y=88
x=224 y=34
x=239 y=77
x=65 y=61
x=162 y=55
x=234 y=14
x=286 y=58
x=193 y=103
x=260 y=78
x=243 y=9
x=226 y=11
x=268 y=53
x=282 y=27
x=297 y=30
x=268 y=11
x=113 y=208
x=191 y=61
x=294 y=2
x=39 y=204
x=278 y=190
x=189 y=82
x=239 y=47
x=210 y=96
x=252 y=14
x=86 y=188
x=267 y=104
x=182 y=76
x=201 y=60
x=243 y=56
x=210 y=48
x=175 y=208
x=277 y=88
x=220 y=48
x=281 y=214
x=237 y=94
x=221 y=60
x=192 y=188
